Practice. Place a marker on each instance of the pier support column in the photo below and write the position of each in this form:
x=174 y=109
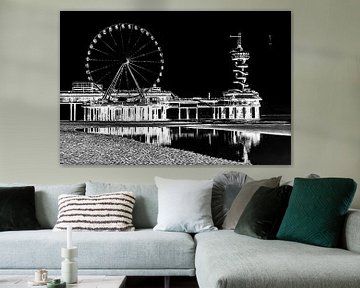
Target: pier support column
x=71 y=112
x=257 y=112
x=248 y=113
x=164 y=114
x=74 y=116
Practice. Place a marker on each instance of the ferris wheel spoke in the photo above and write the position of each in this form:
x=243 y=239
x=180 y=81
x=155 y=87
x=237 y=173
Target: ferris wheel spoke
x=107 y=45
x=146 y=61
x=144 y=68
x=102 y=68
x=129 y=40
x=122 y=40
x=112 y=37
x=104 y=60
x=144 y=54
x=103 y=52
x=135 y=70
x=141 y=48
x=134 y=46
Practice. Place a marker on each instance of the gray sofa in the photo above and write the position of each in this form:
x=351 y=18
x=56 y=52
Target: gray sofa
x=218 y=259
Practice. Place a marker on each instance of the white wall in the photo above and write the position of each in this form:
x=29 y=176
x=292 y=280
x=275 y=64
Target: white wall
x=326 y=90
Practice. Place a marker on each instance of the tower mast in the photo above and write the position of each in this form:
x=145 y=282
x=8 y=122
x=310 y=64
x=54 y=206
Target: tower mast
x=239 y=58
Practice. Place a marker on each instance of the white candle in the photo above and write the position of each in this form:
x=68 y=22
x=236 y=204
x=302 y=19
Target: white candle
x=69 y=237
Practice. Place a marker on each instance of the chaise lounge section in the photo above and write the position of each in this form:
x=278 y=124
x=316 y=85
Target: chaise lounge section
x=225 y=259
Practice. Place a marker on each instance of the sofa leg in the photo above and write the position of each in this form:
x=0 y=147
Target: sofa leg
x=167 y=282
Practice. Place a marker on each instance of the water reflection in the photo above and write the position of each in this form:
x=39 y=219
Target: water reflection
x=149 y=135
x=248 y=147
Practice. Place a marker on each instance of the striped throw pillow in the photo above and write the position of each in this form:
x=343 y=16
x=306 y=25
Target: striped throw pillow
x=105 y=212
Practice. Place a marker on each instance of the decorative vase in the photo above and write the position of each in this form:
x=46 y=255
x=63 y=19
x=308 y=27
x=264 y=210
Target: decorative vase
x=69 y=271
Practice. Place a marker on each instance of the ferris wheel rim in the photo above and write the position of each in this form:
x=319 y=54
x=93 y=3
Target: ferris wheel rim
x=136 y=64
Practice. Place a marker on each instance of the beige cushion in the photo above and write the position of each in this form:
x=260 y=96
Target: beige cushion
x=243 y=198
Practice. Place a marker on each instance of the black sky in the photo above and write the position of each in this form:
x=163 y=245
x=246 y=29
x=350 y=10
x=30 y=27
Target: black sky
x=196 y=49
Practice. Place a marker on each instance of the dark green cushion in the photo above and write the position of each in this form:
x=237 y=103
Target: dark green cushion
x=316 y=211
x=264 y=213
x=17 y=208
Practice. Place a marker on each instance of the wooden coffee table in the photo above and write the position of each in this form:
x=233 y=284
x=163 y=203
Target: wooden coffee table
x=84 y=281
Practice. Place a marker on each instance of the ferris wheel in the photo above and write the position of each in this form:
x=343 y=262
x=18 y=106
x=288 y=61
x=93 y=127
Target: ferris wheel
x=124 y=57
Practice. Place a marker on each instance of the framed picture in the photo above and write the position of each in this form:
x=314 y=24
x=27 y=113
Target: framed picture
x=175 y=87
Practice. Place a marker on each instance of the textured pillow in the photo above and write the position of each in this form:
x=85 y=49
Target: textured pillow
x=316 y=211
x=17 y=208
x=243 y=198
x=226 y=186
x=46 y=200
x=184 y=205
x=311 y=176
x=263 y=215
x=146 y=205
x=106 y=212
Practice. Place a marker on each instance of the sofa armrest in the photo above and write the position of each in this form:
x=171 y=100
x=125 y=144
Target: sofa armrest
x=351 y=234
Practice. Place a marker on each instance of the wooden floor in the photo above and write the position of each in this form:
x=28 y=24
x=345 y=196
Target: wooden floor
x=158 y=282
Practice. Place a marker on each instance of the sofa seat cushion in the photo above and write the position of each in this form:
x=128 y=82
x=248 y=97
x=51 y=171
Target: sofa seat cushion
x=226 y=259
x=141 y=249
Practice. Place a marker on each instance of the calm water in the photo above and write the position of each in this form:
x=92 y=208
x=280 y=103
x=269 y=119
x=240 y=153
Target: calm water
x=243 y=146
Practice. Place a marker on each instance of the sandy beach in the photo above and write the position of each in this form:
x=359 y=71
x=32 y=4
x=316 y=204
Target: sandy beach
x=80 y=148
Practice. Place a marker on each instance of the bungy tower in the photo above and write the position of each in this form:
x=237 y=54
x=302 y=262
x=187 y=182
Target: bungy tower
x=241 y=95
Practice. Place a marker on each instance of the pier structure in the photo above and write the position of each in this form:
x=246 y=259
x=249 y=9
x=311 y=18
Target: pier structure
x=86 y=101
x=160 y=106
x=125 y=112
x=156 y=106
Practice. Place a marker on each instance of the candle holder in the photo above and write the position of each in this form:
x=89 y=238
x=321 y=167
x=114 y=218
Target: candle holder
x=69 y=271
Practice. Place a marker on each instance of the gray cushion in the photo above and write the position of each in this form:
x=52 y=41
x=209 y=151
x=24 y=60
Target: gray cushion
x=225 y=259
x=225 y=189
x=46 y=200
x=311 y=176
x=184 y=205
x=146 y=204
x=243 y=198
x=263 y=214
x=144 y=249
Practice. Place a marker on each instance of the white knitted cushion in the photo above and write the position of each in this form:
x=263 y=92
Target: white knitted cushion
x=105 y=212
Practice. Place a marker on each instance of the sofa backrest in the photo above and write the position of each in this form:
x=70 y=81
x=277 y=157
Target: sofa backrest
x=146 y=203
